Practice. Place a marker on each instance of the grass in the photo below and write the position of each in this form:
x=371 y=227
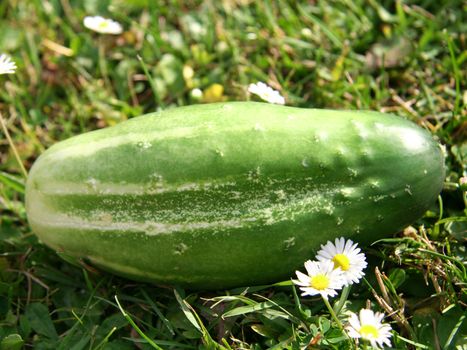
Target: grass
x=403 y=57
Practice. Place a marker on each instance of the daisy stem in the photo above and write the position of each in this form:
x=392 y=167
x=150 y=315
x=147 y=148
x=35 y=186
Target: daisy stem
x=152 y=83
x=336 y=319
x=102 y=62
x=333 y=314
x=13 y=148
x=343 y=299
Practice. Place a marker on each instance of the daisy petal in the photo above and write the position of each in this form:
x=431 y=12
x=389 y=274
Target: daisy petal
x=368 y=326
x=321 y=279
x=266 y=93
x=7 y=66
x=347 y=256
x=102 y=25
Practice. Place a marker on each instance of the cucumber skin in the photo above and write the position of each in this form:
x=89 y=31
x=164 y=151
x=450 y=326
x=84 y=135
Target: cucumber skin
x=230 y=194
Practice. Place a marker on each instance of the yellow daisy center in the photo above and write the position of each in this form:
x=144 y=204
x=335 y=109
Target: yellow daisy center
x=369 y=331
x=342 y=261
x=319 y=282
x=103 y=25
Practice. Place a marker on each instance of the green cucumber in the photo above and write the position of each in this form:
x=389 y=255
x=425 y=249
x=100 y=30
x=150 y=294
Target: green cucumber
x=230 y=194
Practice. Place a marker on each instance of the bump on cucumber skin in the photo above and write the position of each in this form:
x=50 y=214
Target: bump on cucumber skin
x=223 y=195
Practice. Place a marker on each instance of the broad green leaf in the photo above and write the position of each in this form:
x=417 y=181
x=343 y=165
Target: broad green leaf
x=248 y=309
x=452 y=328
x=14 y=182
x=397 y=277
x=188 y=313
x=40 y=321
x=12 y=342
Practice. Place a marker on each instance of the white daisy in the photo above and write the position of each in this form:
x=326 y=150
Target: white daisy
x=321 y=278
x=346 y=256
x=266 y=93
x=368 y=326
x=196 y=94
x=102 y=25
x=7 y=66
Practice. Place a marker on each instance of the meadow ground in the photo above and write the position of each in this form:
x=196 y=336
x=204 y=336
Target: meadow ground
x=403 y=57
